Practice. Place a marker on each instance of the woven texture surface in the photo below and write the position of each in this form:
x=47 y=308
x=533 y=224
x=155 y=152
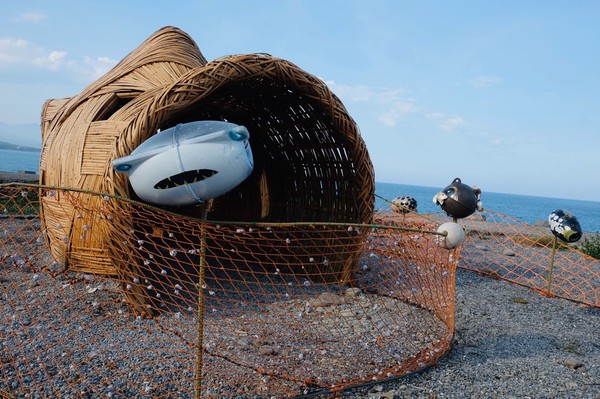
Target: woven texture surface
x=310 y=162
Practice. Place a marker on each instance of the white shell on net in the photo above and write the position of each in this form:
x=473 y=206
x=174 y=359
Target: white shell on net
x=455 y=235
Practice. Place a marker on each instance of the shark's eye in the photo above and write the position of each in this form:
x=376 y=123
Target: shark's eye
x=187 y=177
x=237 y=135
x=123 y=167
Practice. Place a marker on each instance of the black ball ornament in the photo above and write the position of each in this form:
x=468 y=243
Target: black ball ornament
x=459 y=200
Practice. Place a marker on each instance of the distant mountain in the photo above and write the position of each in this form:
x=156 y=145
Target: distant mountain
x=25 y=135
x=17 y=147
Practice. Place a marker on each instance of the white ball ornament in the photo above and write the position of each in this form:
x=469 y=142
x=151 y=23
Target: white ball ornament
x=455 y=235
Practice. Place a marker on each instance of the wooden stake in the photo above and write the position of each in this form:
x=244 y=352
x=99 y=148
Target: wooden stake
x=554 y=242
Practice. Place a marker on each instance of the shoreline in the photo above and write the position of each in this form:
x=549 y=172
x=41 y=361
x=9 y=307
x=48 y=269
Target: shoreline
x=19 y=177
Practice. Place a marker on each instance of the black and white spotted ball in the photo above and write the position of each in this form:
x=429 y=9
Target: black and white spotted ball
x=404 y=204
x=565 y=226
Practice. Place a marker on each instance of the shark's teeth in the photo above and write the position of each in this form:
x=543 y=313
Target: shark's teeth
x=187 y=177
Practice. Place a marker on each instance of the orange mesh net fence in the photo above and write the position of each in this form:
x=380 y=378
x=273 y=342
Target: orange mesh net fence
x=503 y=247
x=506 y=248
x=199 y=308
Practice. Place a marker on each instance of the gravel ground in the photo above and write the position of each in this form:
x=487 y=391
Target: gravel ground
x=510 y=342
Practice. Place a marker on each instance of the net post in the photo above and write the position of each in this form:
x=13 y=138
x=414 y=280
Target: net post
x=200 y=315
x=551 y=271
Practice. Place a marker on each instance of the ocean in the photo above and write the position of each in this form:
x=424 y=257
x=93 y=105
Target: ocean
x=526 y=208
x=19 y=161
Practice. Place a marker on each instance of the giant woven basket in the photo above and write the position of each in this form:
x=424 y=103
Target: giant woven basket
x=310 y=161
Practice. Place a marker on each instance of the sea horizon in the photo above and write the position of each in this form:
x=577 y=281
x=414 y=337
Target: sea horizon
x=498 y=192
x=524 y=207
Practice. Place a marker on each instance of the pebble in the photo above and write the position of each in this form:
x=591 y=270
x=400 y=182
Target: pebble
x=572 y=363
x=517 y=349
x=267 y=350
x=34 y=283
x=353 y=292
x=326 y=299
x=571 y=385
x=503 y=354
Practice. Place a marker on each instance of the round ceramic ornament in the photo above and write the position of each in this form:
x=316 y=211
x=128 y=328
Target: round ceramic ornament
x=565 y=226
x=459 y=200
x=404 y=204
x=454 y=235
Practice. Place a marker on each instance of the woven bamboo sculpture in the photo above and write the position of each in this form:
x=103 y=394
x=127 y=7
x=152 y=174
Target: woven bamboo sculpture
x=310 y=162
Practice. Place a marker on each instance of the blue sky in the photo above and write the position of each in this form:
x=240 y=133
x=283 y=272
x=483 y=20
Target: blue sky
x=504 y=95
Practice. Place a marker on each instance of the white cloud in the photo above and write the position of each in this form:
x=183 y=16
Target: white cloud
x=33 y=17
x=12 y=50
x=446 y=123
x=398 y=110
x=451 y=124
x=350 y=93
x=435 y=115
x=390 y=104
x=53 y=61
x=19 y=52
x=7 y=44
x=94 y=68
x=483 y=82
